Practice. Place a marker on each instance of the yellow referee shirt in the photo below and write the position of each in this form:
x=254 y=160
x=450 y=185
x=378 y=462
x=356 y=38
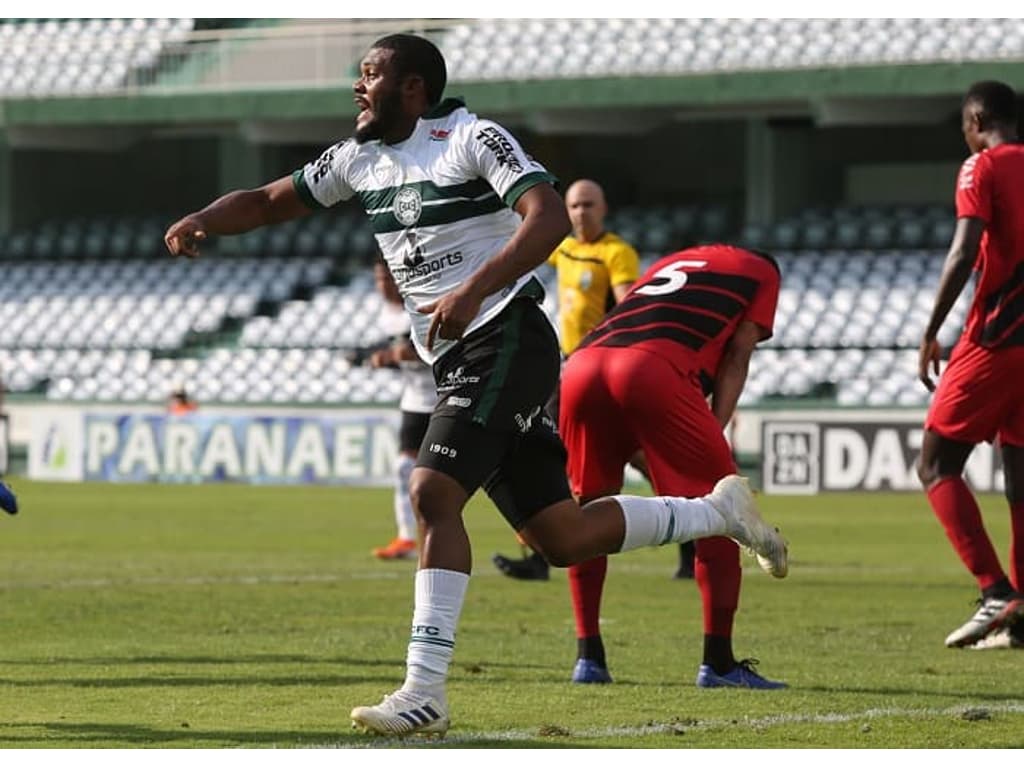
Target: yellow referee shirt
x=586 y=274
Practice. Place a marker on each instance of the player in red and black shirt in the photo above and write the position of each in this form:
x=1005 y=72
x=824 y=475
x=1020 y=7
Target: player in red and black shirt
x=641 y=379
x=979 y=395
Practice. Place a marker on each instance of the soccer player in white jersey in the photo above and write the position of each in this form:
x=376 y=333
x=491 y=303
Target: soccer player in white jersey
x=463 y=216
x=419 y=396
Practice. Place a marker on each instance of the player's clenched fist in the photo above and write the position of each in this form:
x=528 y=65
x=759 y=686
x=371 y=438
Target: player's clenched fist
x=184 y=236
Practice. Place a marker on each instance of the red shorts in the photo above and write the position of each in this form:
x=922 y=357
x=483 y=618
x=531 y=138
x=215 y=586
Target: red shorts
x=980 y=395
x=617 y=399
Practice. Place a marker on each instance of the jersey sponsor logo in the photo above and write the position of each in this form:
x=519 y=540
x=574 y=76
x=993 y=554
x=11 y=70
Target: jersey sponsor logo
x=439 y=134
x=502 y=149
x=408 y=206
x=415 y=256
x=525 y=422
x=455 y=379
x=418 y=265
x=323 y=165
x=586 y=280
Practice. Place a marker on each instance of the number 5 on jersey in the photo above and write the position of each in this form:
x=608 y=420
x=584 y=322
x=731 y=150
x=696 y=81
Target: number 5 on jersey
x=675 y=276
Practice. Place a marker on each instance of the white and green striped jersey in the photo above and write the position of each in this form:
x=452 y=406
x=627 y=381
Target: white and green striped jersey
x=440 y=204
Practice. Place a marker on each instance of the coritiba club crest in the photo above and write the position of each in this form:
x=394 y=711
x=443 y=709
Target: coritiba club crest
x=408 y=206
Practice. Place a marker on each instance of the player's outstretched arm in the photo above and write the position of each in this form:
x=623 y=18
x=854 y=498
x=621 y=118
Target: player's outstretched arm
x=234 y=213
x=963 y=251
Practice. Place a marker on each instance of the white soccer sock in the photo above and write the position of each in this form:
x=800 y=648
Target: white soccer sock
x=651 y=522
x=439 y=598
x=405 y=518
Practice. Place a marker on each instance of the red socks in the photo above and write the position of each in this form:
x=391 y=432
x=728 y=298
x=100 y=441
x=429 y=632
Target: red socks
x=586 y=583
x=718 y=575
x=957 y=510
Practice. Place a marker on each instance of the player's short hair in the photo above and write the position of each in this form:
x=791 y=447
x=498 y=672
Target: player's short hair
x=997 y=100
x=413 y=55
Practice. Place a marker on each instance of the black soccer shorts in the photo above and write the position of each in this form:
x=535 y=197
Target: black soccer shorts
x=490 y=428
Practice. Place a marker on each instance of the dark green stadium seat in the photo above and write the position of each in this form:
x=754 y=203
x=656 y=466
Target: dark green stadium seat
x=19 y=245
x=280 y=242
x=786 y=236
x=755 y=236
x=911 y=233
x=307 y=242
x=121 y=242
x=942 y=233
x=333 y=244
x=713 y=223
x=878 y=234
x=848 y=234
x=44 y=244
x=659 y=239
x=684 y=221
x=361 y=243
x=253 y=243
x=817 y=234
x=95 y=243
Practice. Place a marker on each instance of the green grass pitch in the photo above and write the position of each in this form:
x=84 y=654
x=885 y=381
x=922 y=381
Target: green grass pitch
x=221 y=616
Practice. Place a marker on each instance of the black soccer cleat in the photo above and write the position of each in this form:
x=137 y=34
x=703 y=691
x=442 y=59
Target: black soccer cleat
x=532 y=568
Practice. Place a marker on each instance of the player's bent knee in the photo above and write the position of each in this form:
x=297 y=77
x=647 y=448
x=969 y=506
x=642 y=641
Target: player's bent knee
x=557 y=557
x=561 y=552
x=435 y=496
x=926 y=472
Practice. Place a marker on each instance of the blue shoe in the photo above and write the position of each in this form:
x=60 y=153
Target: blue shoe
x=8 y=501
x=588 y=671
x=740 y=676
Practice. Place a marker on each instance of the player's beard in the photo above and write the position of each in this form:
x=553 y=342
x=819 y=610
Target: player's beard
x=385 y=114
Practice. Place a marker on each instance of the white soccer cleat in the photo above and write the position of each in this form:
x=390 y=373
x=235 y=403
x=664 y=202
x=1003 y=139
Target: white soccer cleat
x=404 y=713
x=734 y=501
x=993 y=613
x=1001 y=639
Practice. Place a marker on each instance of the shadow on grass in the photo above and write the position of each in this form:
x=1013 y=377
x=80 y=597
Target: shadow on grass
x=253 y=658
x=188 y=681
x=106 y=735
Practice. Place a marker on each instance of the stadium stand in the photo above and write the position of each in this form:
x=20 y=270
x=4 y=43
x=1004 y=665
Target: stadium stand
x=84 y=318
x=91 y=309
x=499 y=48
x=81 y=56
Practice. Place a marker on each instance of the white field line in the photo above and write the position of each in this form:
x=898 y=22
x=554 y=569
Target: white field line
x=751 y=723
x=485 y=571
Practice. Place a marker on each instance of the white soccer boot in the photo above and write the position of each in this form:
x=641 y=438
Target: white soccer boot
x=734 y=501
x=993 y=613
x=404 y=713
x=1001 y=639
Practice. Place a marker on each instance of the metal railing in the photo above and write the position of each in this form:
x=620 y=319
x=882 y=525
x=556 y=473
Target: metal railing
x=294 y=55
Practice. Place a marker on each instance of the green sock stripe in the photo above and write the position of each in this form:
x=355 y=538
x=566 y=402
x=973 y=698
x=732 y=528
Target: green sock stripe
x=432 y=641
x=671 y=527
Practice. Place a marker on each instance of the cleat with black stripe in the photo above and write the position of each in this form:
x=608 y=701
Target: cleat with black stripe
x=734 y=501
x=404 y=713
